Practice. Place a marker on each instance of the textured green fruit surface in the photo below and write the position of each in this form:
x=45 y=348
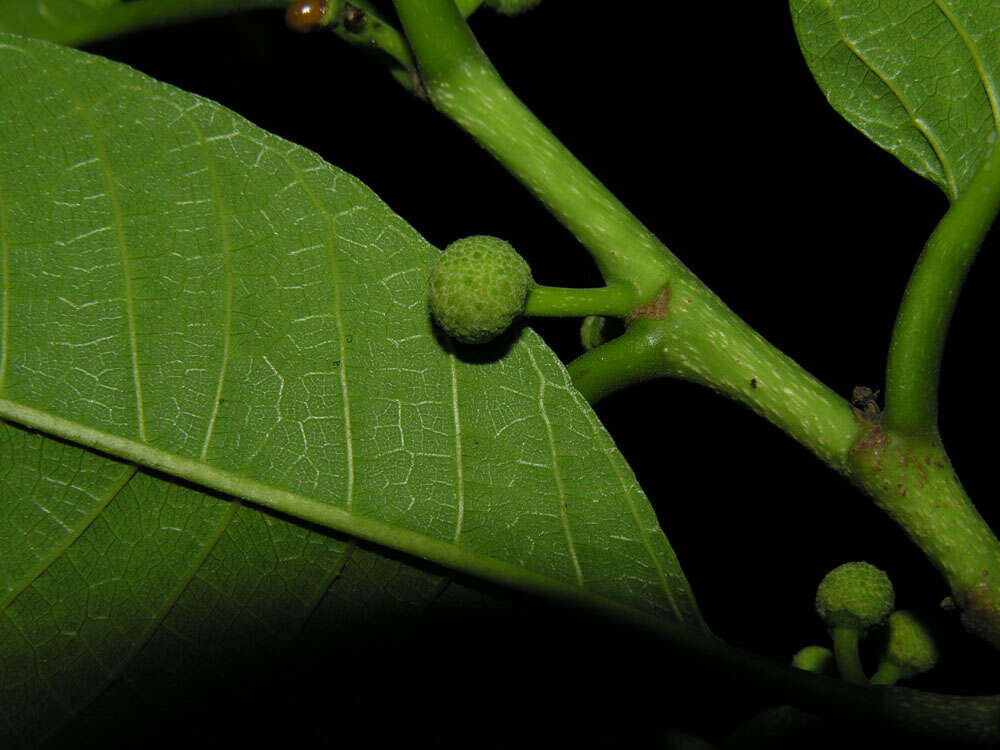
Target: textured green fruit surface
x=478 y=287
x=911 y=646
x=855 y=595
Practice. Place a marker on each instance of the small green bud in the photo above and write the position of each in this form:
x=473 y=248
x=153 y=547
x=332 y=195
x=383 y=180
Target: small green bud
x=911 y=647
x=478 y=287
x=855 y=595
x=512 y=7
x=818 y=659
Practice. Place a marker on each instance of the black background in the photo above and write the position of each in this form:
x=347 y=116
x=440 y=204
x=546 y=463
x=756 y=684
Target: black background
x=704 y=119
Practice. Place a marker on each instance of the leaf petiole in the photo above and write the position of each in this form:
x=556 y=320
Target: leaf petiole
x=918 y=339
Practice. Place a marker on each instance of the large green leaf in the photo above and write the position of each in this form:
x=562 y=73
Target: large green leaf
x=199 y=319
x=921 y=78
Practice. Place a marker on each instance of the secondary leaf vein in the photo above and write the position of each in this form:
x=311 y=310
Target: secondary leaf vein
x=989 y=84
x=459 y=478
x=5 y=292
x=951 y=187
x=563 y=511
x=128 y=471
x=227 y=261
x=166 y=606
x=338 y=318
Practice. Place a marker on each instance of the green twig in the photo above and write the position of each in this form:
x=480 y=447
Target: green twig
x=911 y=391
x=359 y=23
x=701 y=340
x=550 y=301
x=845 y=649
x=82 y=24
x=462 y=84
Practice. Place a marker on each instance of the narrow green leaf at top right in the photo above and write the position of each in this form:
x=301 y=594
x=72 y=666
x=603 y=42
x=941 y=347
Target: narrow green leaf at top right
x=921 y=78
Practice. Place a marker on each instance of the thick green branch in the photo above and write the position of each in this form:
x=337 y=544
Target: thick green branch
x=911 y=390
x=700 y=339
x=912 y=480
x=462 y=84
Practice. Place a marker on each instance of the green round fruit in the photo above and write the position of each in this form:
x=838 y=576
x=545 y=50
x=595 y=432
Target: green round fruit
x=855 y=595
x=911 y=647
x=478 y=287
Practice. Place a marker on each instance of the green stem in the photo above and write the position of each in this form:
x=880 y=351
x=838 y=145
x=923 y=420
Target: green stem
x=689 y=333
x=845 y=649
x=631 y=358
x=551 y=301
x=369 y=30
x=913 y=481
x=80 y=24
x=911 y=391
x=462 y=84
x=701 y=340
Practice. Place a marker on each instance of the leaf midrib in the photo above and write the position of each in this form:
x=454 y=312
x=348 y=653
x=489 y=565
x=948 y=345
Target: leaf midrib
x=324 y=514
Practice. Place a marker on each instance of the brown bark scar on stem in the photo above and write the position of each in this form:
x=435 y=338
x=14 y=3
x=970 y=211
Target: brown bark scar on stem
x=655 y=310
x=979 y=613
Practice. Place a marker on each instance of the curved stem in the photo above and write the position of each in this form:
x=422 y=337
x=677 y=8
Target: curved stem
x=911 y=390
x=369 y=31
x=362 y=25
x=462 y=84
x=93 y=24
x=845 y=649
x=631 y=358
x=552 y=301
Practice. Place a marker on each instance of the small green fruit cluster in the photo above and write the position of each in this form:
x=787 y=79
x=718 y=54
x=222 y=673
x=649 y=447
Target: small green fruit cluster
x=478 y=287
x=855 y=595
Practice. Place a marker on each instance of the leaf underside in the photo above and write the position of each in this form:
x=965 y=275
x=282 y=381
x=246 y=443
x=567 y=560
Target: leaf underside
x=177 y=280
x=921 y=78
